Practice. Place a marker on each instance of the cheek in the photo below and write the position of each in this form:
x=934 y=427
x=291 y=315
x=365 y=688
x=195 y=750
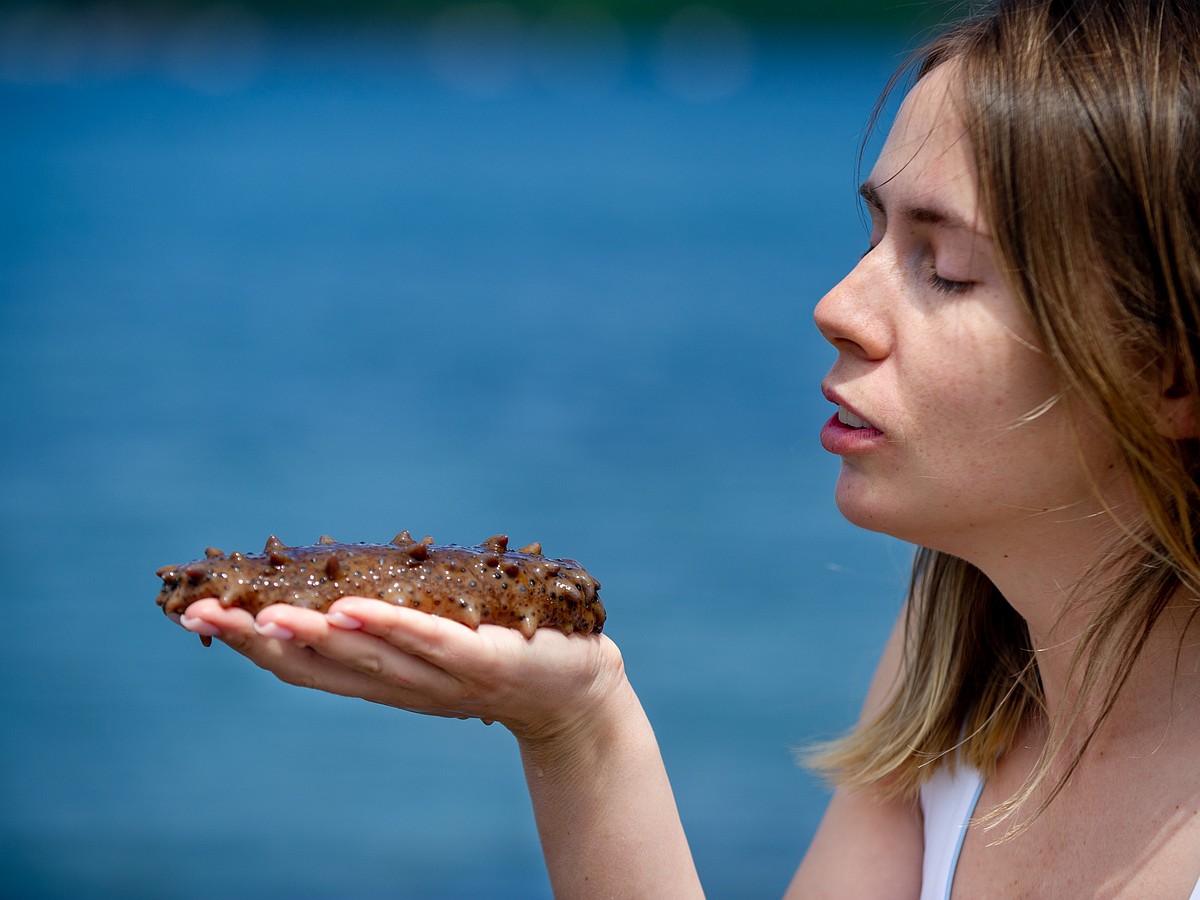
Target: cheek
x=1006 y=386
x=995 y=417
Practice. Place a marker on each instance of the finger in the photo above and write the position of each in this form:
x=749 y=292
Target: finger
x=291 y=623
x=209 y=618
x=490 y=665
x=264 y=639
x=301 y=648
x=306 y=625
x=305 y=667
x=357 y=650
x=443 y=642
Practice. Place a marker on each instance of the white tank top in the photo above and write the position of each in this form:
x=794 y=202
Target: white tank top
x=948 y=801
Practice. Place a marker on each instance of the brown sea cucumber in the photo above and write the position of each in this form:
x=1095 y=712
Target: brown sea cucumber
x=486 y=584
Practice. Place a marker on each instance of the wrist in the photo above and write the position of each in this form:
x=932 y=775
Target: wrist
x=598 y=787
x=589 y=732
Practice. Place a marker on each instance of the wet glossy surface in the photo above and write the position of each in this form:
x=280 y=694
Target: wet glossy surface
x=485 y=584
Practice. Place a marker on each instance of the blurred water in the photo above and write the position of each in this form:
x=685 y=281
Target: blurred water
x=334 y=290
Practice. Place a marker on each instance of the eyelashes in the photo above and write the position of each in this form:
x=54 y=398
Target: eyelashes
x=942 y=285
x=947 y=286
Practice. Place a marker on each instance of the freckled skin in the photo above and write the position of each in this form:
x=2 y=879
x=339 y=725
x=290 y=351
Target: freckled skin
x=486 y=584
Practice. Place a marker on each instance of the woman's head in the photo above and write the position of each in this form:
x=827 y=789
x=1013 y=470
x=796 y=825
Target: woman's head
x=949 y=427
x=1083 y=123
x=1084 y=120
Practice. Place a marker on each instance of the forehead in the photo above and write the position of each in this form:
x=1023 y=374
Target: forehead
x=927 y=159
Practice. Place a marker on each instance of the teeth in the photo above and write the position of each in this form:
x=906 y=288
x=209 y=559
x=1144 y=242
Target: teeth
x=848 y=418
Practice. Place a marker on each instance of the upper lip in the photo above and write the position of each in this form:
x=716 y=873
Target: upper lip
x=835 y=398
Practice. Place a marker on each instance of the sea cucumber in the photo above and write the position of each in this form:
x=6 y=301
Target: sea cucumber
x=488 y=583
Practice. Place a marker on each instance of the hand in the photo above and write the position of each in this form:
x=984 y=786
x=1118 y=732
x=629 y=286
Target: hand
x=539 y=687
x=605 y=812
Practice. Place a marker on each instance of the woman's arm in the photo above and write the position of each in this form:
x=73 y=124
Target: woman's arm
x=605 y=811
x=866 y=846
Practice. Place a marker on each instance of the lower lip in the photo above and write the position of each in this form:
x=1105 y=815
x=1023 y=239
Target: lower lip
x=839 y=438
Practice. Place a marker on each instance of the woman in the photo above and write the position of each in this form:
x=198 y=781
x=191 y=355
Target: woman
x=1017 y=385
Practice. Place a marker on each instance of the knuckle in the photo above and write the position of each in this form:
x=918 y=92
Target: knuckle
x=368 y=665
x=402 y=679
x=239 y=642
x=297 y=678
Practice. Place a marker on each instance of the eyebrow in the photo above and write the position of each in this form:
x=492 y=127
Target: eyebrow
x=923 y=215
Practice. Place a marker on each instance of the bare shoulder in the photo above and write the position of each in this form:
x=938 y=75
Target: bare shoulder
x=865 y=847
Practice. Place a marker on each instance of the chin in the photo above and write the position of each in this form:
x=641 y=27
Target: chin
x=891 y=516
x=861 y=511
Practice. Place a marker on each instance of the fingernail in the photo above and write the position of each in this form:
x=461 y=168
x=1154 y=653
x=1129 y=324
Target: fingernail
x=272 y=630
x=341 y=620
x=199 y=626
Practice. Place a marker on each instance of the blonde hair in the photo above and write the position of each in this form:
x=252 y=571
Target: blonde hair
x=1084 y=119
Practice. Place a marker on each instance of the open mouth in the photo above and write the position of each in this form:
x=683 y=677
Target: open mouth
x=848 y=418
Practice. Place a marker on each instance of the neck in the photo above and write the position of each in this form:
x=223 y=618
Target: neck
x=1059 y=584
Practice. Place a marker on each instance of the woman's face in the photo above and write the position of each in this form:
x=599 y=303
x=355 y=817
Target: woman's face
x=949 y=426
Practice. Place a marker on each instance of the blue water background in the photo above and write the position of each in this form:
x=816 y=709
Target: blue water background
x=340 y=294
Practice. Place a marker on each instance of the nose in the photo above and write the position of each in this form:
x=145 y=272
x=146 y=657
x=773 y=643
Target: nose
x=852 y=316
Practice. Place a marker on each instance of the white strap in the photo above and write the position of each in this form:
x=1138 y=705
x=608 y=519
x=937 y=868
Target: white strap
x=948 y=801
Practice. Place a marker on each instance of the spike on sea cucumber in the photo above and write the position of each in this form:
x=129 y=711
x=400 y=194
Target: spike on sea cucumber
x=275 y=558
x=332 y=567
x=419 y=550
x=534 y=549
x=210 y=552
x=274 y=543
x=468 y=613
x=325 y=539
x=497 y=542
x=403 y=539
x=527 y=625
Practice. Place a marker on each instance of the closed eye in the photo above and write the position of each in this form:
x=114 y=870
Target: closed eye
x=947 y=286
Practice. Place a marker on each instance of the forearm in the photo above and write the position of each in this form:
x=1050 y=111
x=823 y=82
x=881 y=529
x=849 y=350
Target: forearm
x=605 y=811
x=604 y=807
